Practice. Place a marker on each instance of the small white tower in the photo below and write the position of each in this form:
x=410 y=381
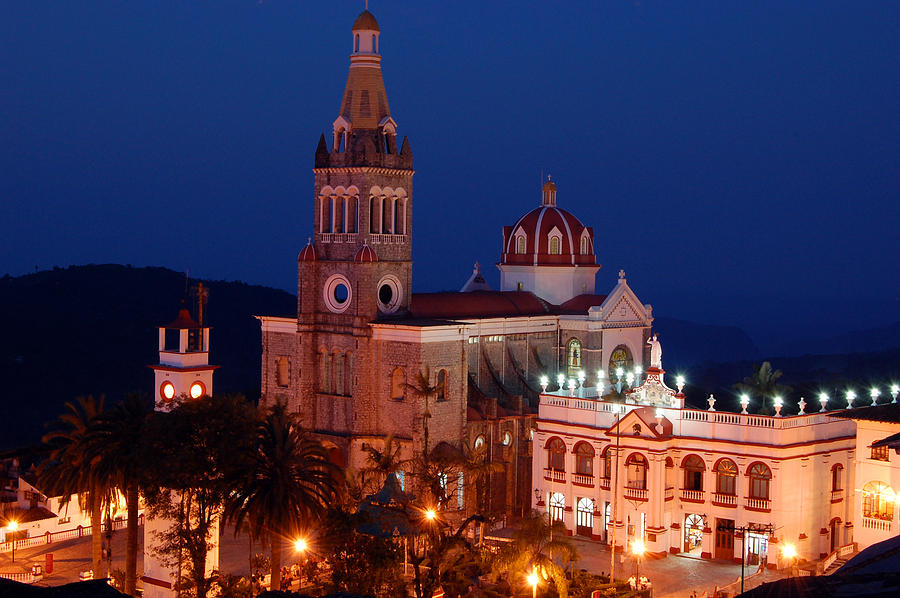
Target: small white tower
x=183 y=370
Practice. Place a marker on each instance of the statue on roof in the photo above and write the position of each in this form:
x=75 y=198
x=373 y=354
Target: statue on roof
x=655 y=352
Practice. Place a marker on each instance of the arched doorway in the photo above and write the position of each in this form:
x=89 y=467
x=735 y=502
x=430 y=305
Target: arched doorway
x=834 y=532
x=693 y=533
x=584 y=520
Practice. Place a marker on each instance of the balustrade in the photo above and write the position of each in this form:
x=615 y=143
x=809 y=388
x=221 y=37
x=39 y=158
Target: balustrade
x=758 y=504
x=582 y=479
x=837 y=495
x=693 y=495
x=636 y=493
x=725 y=500
x=882 y=525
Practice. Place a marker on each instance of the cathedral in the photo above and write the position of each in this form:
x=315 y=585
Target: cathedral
x=349 y=362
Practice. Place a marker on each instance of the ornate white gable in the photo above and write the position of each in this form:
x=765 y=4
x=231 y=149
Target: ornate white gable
x=622 y=306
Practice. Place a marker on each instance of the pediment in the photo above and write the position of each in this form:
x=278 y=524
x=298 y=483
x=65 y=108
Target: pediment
x=622 y=305
x=636 y=424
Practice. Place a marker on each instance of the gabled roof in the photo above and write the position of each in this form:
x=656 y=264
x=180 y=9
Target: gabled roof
x=646 y=418
x=183 y=321
x=580 y=304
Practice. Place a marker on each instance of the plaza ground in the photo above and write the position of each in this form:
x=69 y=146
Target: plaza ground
x=673 y=576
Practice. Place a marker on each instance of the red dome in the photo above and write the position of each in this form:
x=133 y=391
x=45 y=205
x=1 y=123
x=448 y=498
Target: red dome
x=308 y=254
x=548 y=236
x=365 y=254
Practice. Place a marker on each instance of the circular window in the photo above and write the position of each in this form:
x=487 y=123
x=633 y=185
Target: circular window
x=507 y=439
x=197 y=390
x=337 y=293
x=390 y=294
x=167 y=391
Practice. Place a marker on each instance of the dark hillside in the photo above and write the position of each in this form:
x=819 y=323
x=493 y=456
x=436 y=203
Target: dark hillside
x=92 y=330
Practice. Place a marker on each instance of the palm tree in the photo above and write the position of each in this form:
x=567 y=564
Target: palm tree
x=536 y=548
x=121 y=435
x=423 y=389
x=763 y=383
x=380 y=463
x=71 y=466
x=286 y=484
x=479 y=469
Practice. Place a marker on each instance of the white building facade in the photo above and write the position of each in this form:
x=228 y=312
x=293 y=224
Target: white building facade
x=714 y=484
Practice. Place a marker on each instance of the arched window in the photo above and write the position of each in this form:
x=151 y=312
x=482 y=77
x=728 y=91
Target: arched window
x=348 y=374
x=636 y=466
x=585 y=246
x=837 y=474
x=556 y=454
x=283 y=371
x=619 y=358
x=326 y=214
x=693 y=467
x=520 y=244
x=374 y=44
x=352 y=214
x=324 y=372
x=554 y=245
x=557 y=506
x=479 y=442
x=878 y=501
x=442 y=385
x=573 y=351
x=726 y=476
x=607 y=463
x=356 y=43
x=760 y=476
x=339 y=210
x=398 y=384
x=584 y=459
x=338 y=361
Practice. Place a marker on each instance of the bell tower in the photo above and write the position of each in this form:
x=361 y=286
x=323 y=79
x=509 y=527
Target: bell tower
x=358 y=266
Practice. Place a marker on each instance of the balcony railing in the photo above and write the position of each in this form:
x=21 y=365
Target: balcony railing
x=604 y=483
x=725 y=500
x=670 y=493
x=554 y=475
x=758 y=504
x=337 y=237
x=837 y=495
x=636 y=493
x=583 y=479
x=384 y=239
x=882 y=525
x=693 y=495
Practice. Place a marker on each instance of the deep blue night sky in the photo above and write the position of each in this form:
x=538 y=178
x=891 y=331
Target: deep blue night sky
x=738 y=159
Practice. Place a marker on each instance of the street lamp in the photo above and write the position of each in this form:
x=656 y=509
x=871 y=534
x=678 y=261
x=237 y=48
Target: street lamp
x=430 y=514
x=533 y=580
x=300 y=545
x=638 y=549
x=12 y=526
x=874 y=393
x=789 y=552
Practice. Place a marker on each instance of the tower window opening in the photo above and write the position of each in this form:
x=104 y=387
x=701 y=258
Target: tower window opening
x=520 y=244
x=374 y=44
x=172 y=340
x=356 y=44
x=338 y=374
x=585 y=246
x=442 y=385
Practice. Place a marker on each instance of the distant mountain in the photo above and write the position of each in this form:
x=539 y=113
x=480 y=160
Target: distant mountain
x=92 y=330
x=687 y=343
x=882 y=338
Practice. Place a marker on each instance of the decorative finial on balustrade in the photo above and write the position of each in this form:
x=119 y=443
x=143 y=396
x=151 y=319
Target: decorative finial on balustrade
x=850 y=397
x=745 y=402
x=895 y=390
x=679 y=383
x=712 y=401
x=874 y=393
x=802 y=404
x=779 y=403
x=571 y=387
x=823 y=398
x=544 y=381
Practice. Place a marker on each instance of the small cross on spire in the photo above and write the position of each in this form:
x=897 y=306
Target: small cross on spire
x=621 y=274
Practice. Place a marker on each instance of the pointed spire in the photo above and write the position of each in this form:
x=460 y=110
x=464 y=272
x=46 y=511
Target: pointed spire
x=405 y=149
x=365 y=104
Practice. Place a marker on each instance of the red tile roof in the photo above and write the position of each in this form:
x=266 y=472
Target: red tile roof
x=477 y=304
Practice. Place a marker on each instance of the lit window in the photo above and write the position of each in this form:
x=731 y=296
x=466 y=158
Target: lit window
x=693 y=472
x=636 y=467
x=760 y=476
x=880 y=453
x=584 y=459
x=556 y=454
x=167 y=391
x=554 y=245
x=197 y=390
x=726 y=475
x=878 y=501
x=574 y=356
x=557 y=506
x=520 y=244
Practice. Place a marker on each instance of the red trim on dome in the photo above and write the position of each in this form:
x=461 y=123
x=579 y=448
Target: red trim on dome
x=537 y=225
x=308 y=254
x=365 y=254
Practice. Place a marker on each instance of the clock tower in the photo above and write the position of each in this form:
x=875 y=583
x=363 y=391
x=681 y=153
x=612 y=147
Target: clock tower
x=183 y=371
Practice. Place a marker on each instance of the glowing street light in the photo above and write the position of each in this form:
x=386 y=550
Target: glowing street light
x=789 y=552
x=745 y=402
x=430 y=514
x=533 y=580
x=823 y=398
x=637 y=549
x=850 y=397
x=895 y=390
x=779 y=403
x=300 y=545
x=12 y=526
x=544 y=382
x=560 y=381
x=874 y=393
x=679 y=383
